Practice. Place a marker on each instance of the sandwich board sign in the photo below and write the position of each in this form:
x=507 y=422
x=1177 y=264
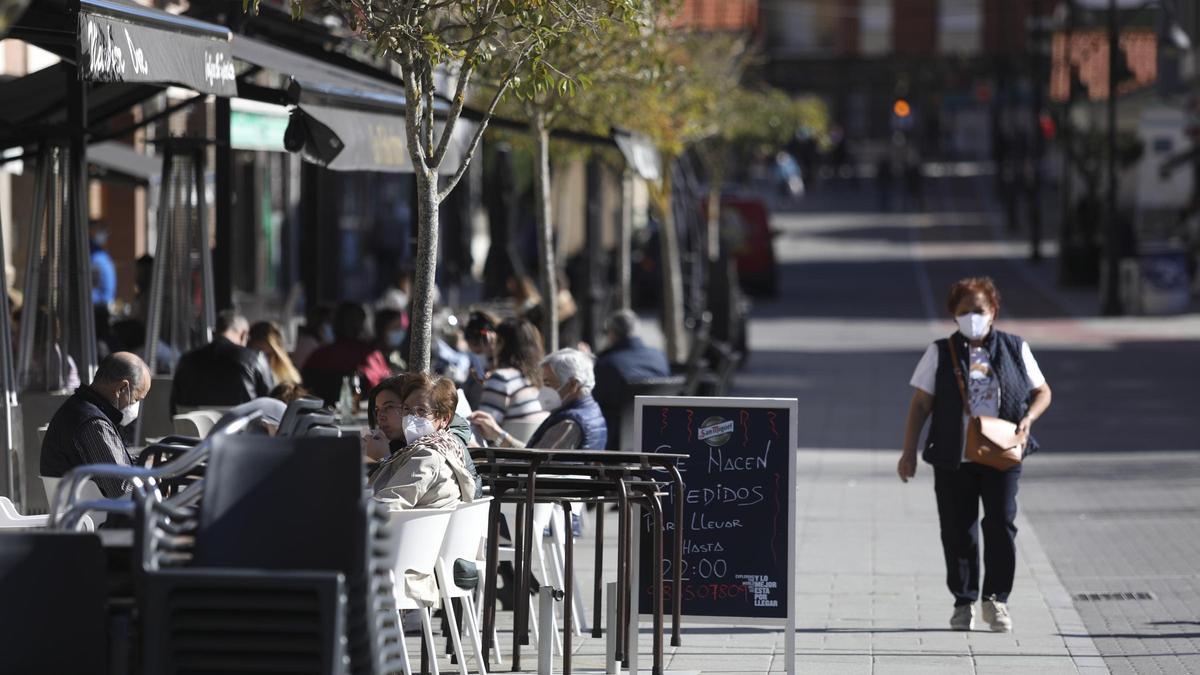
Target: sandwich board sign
x=739 y=509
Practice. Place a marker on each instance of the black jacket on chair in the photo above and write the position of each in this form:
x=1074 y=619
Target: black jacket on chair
x=220 y=373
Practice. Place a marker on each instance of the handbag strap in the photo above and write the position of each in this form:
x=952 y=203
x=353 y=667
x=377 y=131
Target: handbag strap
x=958 y=376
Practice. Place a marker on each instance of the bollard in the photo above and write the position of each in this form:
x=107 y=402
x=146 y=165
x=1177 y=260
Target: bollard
x=610 y=635
x=546 y=628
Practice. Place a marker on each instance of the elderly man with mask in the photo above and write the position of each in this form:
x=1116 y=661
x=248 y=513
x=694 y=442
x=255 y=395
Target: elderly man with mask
x=575 y=421
x=87 y=427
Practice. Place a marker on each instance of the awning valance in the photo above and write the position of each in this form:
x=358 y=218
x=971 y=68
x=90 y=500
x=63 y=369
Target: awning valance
x=640 y=153
x=342 y=120
x=122 y=43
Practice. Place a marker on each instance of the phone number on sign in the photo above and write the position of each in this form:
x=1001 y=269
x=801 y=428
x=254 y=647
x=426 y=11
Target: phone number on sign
x=706 y=592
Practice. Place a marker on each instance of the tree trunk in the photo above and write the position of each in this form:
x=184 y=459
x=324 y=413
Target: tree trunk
x=714 y=220
x=545 y=225
x=625 y=248
x=421 y=321
x=672 y=274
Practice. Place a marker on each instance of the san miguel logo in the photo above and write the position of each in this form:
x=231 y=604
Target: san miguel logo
x=109 y=57
x=716 y=431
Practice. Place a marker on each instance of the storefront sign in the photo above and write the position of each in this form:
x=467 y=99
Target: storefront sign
x=115 y=50
x=739 y=507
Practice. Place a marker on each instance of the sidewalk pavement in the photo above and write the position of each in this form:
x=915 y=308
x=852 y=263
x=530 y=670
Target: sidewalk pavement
x=871 y=595
x=861 y=297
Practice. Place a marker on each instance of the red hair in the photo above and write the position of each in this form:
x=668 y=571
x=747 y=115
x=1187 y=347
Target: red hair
x=964 y=288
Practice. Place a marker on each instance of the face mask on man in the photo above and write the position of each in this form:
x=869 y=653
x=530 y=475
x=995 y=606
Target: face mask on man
x=327 y=332
x=416 y=428
x=396 y=337
x=549 y=398
x=130 y=412
x=974 y=325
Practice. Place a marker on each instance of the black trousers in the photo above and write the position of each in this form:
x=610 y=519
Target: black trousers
x=958 y=496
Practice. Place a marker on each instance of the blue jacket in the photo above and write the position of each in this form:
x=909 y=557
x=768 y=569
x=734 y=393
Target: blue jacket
x=627 y=360
x=104 y=277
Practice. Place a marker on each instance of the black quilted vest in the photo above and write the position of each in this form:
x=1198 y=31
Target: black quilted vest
x=59 y=451
x=586 y=413
x=944 y=445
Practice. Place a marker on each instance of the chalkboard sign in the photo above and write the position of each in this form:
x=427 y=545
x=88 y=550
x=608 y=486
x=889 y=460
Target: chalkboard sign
x=739 y=515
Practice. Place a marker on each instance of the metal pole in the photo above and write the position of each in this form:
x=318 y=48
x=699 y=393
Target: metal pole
x=1035 y=186
x=546 y=630
x=1111 y=304
x=625 y=247
x=7 y=374
x=613 y=627
x=222 y=252
x=208 y=312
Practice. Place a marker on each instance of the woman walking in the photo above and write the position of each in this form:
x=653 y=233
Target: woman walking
x=1000 y=379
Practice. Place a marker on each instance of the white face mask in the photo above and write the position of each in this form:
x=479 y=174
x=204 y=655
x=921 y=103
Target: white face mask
x=130 y=412
x=974 y=325
x=549 y=398
x=416 y=428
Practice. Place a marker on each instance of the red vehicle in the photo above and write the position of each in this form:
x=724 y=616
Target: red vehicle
x=746 y=230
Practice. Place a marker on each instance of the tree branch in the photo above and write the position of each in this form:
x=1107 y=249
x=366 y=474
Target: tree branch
x=426 y=110
x=411 y=97
x=456 y=106
x=471 y=147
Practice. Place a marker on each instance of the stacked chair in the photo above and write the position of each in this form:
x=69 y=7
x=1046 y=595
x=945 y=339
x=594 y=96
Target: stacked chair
x=289 y=566
x=308 y=417
x=248 y=554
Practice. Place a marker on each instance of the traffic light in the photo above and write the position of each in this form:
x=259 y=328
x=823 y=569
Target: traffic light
x=902 y=115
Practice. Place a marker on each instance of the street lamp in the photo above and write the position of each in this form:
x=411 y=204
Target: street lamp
x=1111 y=304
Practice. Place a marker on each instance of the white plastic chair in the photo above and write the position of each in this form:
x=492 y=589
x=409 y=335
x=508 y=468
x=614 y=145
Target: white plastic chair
x=542 y=514
x=559 y=531
x=196 y=423
x=465 y=539
x=89 y=492
x=11 y=519
x=523 y=429
x=417 y=536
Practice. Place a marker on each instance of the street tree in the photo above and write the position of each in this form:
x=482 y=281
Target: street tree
x=444 y=44
x=750 y=122
x=678 y=106
x=609 y=55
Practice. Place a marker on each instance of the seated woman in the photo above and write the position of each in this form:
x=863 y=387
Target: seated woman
x=423 y=457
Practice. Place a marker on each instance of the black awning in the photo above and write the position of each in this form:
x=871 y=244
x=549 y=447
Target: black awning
x=342 y=120
x=119 y=41
x=34 y=107
x=112 y=158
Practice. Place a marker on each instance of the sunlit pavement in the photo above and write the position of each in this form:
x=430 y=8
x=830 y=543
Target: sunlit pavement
x=1109 y=506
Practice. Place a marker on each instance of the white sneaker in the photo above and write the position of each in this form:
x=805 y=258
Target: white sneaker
x=963 y=617
x=995 y=613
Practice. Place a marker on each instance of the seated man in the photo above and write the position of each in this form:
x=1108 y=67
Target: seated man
x=87 y=427
x=627 y=358
x=575 y=421
x=224 y=372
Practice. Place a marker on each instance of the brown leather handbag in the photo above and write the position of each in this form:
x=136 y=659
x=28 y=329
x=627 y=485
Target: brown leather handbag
x=991 y=441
